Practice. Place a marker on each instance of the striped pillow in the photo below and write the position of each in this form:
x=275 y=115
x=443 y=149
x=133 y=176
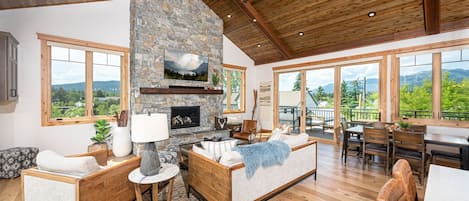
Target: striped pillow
x=216 y=149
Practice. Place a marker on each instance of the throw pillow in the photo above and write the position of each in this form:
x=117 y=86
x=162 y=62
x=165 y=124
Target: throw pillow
x=285 y=128
x=221 y=123
x=202 y=152
x=216 y=149
x=231 y=158
x=276 y=135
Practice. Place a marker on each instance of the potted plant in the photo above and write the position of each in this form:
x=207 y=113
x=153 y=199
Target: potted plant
x=404 y=125
x=103 y=129
x=215 y=80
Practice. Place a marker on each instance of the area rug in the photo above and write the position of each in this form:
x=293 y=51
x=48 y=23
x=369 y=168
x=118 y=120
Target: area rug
x=179 y=192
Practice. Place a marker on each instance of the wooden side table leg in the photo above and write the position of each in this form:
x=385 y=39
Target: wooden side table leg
x=138 y=192
x=155 y=192
x=170 y=189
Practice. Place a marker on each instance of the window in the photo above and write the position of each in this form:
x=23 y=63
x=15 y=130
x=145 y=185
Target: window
x=233 y=89
x=81 y=81
x=434 y=85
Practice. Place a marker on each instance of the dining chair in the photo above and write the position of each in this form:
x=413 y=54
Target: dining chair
x=376 y=143
x=248 y=127
x=411 y=146
x=392 y=190
x=349 y=141
x=402 y=171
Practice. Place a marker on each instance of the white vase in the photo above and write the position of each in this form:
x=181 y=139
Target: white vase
x=121 y=144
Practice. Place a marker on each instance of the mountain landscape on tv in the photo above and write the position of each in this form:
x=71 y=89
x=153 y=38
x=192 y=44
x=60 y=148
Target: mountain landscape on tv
x=185 y=66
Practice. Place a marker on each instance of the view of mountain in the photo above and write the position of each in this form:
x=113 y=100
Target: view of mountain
x=414 y=79
x=99 y=85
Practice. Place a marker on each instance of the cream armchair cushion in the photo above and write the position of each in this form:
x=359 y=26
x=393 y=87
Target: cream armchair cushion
x=78 y=166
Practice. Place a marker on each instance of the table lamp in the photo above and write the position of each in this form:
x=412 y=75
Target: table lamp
x=148 y=129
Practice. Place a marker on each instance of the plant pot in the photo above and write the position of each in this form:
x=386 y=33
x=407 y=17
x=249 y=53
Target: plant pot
x=99 y=152
x=121 y=144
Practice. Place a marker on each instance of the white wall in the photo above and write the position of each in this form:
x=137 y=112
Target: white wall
x=233 y=55
x=105 y=22
x=266 y=69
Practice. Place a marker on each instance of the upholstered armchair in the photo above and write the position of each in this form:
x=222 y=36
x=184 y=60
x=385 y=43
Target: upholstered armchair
x=249 y=126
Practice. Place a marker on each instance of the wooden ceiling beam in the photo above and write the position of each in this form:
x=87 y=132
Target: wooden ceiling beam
x=431 y=13
x=265 y=27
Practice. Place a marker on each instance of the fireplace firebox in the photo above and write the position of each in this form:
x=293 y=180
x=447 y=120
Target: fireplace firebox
x=185 y=117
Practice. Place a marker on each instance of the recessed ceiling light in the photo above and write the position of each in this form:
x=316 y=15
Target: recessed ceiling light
x=254 y=20
x=229 y=16
x=301 y=33
x=259 y=45
x=371 y=14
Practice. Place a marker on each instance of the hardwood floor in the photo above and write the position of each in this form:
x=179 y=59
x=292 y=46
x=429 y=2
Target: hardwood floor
x=339 y=181
x=10 y=189
x=335 y=181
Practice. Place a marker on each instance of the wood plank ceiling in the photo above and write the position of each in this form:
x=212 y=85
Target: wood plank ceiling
x=11 y=4
x=331 y=25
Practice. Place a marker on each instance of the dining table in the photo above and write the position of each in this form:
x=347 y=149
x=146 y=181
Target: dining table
x=445 y=183
x=438 y=139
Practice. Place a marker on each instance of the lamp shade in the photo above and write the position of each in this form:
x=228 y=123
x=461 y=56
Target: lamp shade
x=149 y=128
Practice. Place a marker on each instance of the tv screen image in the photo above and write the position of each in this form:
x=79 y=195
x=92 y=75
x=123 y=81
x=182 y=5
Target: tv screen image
x=180 y=65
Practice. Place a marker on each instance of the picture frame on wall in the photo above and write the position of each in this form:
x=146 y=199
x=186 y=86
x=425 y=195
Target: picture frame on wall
x=179 y=65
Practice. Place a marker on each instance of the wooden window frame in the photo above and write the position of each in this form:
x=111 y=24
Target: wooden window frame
x=241 y=69
x=46 y=120
x=436 y=50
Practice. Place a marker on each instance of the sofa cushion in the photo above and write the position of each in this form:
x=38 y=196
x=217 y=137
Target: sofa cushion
x=231 y=158
x=78 y=166
x=276 y=135
x=295 y=140
x=202 y=152
x=217 y=148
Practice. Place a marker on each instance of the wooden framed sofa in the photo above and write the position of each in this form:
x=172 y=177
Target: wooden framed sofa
x=108 y=184
x=217 y=182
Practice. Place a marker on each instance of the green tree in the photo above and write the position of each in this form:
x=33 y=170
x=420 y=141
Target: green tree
x=297 y=84
x=320 y=94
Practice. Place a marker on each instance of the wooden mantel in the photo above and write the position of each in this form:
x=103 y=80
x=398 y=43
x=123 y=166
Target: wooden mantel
x=148 y=90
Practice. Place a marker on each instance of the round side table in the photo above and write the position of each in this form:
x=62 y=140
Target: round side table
x=167 y=172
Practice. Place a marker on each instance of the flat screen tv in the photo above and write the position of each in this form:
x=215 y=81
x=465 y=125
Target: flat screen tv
x=179 y=65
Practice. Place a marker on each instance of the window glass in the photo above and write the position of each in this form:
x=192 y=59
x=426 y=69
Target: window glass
x=77 y=55
x=233 y=92
x=289 y=100
x=68 y=85
x=416 y=88
x=225 y=89
x=59 y=53
x=106 y=88
x=236 y=82
x=454 y=87
x=320 y=102
x=359 y=92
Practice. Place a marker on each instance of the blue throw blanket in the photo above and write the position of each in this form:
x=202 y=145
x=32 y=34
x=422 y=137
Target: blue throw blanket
x=265 y=154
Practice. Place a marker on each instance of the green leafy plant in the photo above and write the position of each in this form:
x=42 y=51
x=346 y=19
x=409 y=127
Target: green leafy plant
x=215 y=79
x=404 y=125
x=103 y=129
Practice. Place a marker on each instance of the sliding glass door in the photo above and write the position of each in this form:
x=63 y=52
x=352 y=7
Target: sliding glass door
x=359 y=93
x=319 y=97
x=289 y=100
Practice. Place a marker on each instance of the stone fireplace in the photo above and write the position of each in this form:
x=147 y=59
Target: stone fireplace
x=159 y=25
